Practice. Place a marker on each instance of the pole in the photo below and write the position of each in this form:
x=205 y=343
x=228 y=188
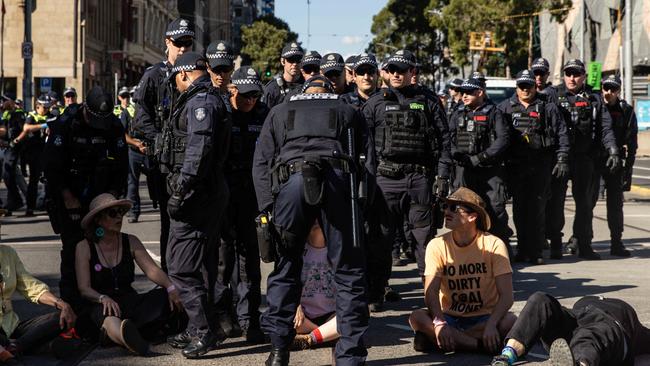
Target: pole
x=2 y=51
x=530 y=42
x=27 y=79
x=308 y=23
x=583 y=8
x=627 y=47
x=621 y=61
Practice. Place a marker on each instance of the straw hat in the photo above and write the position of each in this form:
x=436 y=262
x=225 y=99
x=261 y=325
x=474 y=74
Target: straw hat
x=467 y=197
x=100 y=203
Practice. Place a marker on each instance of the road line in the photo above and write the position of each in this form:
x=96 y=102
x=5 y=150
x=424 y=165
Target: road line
x=641 y=168
x=400 y=327
x=640 y=176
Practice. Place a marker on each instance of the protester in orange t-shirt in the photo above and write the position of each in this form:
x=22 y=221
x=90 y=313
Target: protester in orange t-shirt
x=468 y=283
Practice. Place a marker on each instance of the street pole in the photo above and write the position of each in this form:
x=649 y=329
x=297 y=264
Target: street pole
x=27 y=79
x=2 y=51
x=583 y=9
x=627 y=48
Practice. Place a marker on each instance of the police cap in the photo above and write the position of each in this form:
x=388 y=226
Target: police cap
x=53 y=95
x=45 y=100
x=350 y=61
x=402 y=59
x=99 y=105
x=365 y=59
x=247 y=80
x=612 y=81
x=455 y=83
x=311 y=58
x=478 y=76
x=179 y=28
x=219 y=53
x=70 y=91
x=318 y=81
x=189 y=61
x=541 y=64
x=331 y=62
x=471 y=84
x=525 y=77
x=124 y=92
x=292 y=50
x=574 y=64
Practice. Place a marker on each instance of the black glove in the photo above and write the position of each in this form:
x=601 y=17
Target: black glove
x=613 y=162
x=441 y=187
x=174 y=205
x=462 y=159
x=474 y=160
x=561 y=169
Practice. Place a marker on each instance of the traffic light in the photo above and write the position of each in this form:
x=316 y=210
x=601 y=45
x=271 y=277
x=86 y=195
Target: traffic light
x=267 y=73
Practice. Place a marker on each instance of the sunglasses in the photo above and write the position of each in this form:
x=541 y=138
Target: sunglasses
x=573 y=73
x=114 y=213
x=394 y=69
x=333 y=74
x=539 y=72
x=183 y=43
x=221 y=69
x=525 y=86
x=455 y=207
x=249 y=96
x=294 y=60
x=610 y=88
x=468 y=92
x=366 y=71
x=311 y=69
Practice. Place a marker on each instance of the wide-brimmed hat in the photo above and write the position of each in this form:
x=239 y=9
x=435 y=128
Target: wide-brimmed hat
x=467 y=197
x=101 y=203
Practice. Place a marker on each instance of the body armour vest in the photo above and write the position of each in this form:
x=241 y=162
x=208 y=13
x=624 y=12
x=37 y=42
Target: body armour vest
x=474 y=132
x=404 y=135
x=245 y=131
x=582 y=116
x=530 y=127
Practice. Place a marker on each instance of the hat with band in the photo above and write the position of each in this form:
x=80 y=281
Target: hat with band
x=291 y=50
x=541 y=64
x=219 y=53
x=179 y=28
x=311 y=58
x=471 y=84
x=246 y=80
x=100 y=203
x=189 y=61
x=466 y=197
x=365 y=59
x=574 y=64
x=612 y=81
x=330 y=62
x=403 y=59
x=525 y=77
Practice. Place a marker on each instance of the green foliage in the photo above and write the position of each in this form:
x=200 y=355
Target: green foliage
x=263 y=41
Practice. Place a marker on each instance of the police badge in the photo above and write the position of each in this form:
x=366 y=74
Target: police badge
x=199 y=114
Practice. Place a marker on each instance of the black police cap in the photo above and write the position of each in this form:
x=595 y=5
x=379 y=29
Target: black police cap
x=330 y=62
x=525 y=77
x=403 y=59
x=541 y=64
x=350 y=61
x=99 y=105
x=318 y=81
x=574 y=64
x=455 y=83
x=124 y=92
x=219 y=53
x=70 y=91
x=472 y=84
x=612 y=81
x=45 y=100
x=246 y=80
x=311 y=58
x=179 y=28
x=365 y=59
x=291 y=50
x=190 y=61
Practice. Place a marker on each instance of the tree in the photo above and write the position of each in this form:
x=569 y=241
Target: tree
x=263 y=41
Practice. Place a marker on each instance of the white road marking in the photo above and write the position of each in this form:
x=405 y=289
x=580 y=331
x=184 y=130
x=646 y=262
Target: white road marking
x=640 y=176
x=641 y=168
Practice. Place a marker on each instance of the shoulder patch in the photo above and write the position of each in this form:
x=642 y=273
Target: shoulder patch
x=314 y=96
x=200 y=113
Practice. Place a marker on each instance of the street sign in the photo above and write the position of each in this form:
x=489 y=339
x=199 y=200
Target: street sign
x=642 y=107
x=46 y=85
x=594 y=74
x=28 y=50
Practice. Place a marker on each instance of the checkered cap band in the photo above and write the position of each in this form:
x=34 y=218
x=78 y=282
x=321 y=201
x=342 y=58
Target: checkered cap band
x=365 y=61
x=539 y=64
x=402 y=60
x=292 y=53
x=175 y=32
x=310 y=60
x=220 y=55
x=332 y=65
x=468 y=84
x=185 y=68
x=247 y=82
x=611 y=81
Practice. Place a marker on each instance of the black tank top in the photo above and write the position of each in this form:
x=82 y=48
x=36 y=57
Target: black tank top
x=112 y=281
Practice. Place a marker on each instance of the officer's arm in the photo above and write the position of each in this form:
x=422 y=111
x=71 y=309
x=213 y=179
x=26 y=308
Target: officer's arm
x=502 y=140
x=368 y=113
x=270 y=97
x=607 y=137
x=632 y=142
x=558 y=125
x=121 y=164
x=444 y=138
x=56 y=159
x=145 y=101
x=262 y=160
x=451 y=123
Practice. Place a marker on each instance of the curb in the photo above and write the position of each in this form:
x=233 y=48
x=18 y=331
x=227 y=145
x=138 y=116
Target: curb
x=641 y=191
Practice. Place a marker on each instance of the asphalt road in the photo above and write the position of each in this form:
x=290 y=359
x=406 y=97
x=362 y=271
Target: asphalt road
x=389 y=338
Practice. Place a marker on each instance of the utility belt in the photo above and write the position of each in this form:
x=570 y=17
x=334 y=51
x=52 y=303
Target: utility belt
x=396 y=170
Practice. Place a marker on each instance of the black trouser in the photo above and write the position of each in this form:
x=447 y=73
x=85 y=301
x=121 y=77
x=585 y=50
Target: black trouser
x=614 y=187
x=192 y=255
x=239 y=259
x=593 y=334
x=529 y=183
x=555 y=211
x=71 y=234
x=33 y=332
x=585 y=179
x=488 y=183
x=32 y=157
x=378 y=241
x=138 y=164
x=10 y=176
x=293 y=218
x=160 y=183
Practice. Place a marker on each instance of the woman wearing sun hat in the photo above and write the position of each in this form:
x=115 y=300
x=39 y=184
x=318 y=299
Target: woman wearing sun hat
x=105 y=271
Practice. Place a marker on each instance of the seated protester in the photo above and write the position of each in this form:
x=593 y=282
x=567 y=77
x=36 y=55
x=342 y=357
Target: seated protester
x=468 y=283
x=315 y=320
x=16 y=336
x=105 y=272
x=597 y=331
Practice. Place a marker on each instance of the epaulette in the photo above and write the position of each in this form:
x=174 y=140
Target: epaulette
x=314 y=96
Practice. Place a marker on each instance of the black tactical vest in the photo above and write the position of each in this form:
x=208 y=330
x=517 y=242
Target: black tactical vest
x=404 y=134
x=582 y=112
x=474 y=132
x=531 y=128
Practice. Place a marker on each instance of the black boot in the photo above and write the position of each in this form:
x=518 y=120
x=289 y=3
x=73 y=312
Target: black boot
x=617 y=249
x=180 y=340
x=585 y=251
x=253 y=334
x=278 y=357
x=202 y=345
x=572 y=246
x=556 y=249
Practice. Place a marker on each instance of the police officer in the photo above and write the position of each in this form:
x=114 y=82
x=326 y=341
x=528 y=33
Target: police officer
x=13 y=119
x=154 y=98
x=238 y=237
x=455 y=96
x=310 y=65
x=412 y=143
x=333 y=68
x=301 y=170
x=290 y=79
x=625 y=127
x=537 y=131
x=125 y=111
x=541 y=69
x=590 y=125
x=480 y=138
x=85 y=155
x=349 y=71
x=365 y=76
x=198 y=197
x=69 y=96
x=221 y=59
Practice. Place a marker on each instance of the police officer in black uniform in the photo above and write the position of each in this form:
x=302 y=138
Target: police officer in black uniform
x=333 y=68
x=365 y=73
x=221 y=59
x=349 y=72
x=154 y=98
x=590 y=125
x=282 y=84
x=625 y=127
x=198 y=197
x=480 y=138
x=238 y=238
x=302 y=169
x=541 y=69
x=537 y=132
x=310 y=65
x=455 y=96
x=13 y=120
x=85 y=155
x=412 y=143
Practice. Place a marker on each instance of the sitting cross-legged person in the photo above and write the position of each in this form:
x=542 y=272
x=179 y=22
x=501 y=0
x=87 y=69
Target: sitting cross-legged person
x=29 y=336
x=105 y=271
x=467 y=285
x=315 y=320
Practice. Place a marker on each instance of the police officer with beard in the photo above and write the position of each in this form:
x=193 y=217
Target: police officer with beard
x=541 y=68
x=198 y=196
x=480 y=138
x=625 y=127
x=241 y=267
x=154 y=98
x=412 y=143
x=590 y=125
x=276 y=90
x=85 y=155
x=537 y=133
x=302 y=171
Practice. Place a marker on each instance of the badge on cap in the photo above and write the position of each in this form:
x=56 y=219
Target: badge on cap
x=363 y=55
x=251 y=72
x=400 y=52
x=183 y=23
x=199 y=114
x=525 y=73
x=294 y=45
x=221 y=47
x=330 y=58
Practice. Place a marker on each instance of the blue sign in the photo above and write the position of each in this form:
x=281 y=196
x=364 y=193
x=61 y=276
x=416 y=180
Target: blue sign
x=46 y=84
x=642 y=109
